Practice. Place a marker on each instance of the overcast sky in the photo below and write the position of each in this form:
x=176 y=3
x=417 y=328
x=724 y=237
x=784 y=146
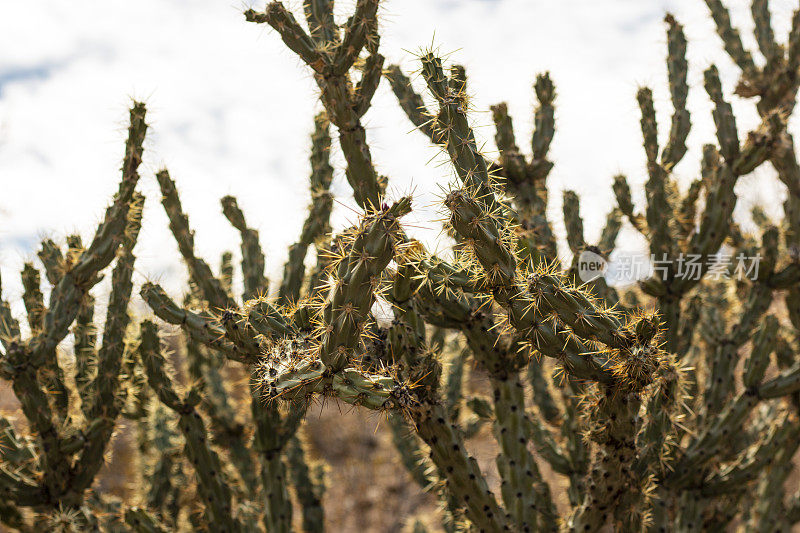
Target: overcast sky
x=230 y=110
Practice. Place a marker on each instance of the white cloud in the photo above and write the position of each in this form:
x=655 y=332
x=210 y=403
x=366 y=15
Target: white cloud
x=231 y=108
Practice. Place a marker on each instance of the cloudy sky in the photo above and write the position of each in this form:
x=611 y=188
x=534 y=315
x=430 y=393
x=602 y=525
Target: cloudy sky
x=231 y=109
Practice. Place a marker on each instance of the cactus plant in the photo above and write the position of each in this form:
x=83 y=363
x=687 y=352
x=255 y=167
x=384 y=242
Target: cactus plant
x=653 y=407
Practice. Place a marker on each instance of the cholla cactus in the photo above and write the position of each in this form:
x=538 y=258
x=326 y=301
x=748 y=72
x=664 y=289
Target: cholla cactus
x=53 y=472
x=653 y=408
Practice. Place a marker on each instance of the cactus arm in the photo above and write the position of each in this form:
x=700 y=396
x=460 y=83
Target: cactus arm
x=720 y=381
x=253 y=261
x=199 y=327
x=9 y=327
x=412 y=104
x=784 y=159
x=705 y=445
x=18 y=483
x=530 y=198
x=309 y=485
x=548 y=292
x=481 y=410
x=32 y=297
x=36 y=408
x=760 y=143
x=278 y=508
x=542 y=395
x=359 y=30
x=575 y=239
x=792 y=300
x=463 y=475
x=764 y=35
x=105 y=403
x=272 y=434
x=648 y=124
x=662 y=412
x=498 y=261
x=785 y=163
x=525 y=493
x=659 y=211
x=611 y=486
x=211 y=485
x=687 y=211
x=689 y=321
x=165 y=477
x=786 y=278
x=241 y=333
x=83 y=273
x=573 y=222
x=104 y=245
x=85 y=335
x=343 y=105
x=611 y=229
x=227 y=431
x=319 y=15
x=511 y=159
x=292 y=34
x=793 y=46
x=53 y=261
x=785 y=383
x=51 y=375
x=317 y=222
x=544 y=124
x=605 y=246
x=677 y=69
x=474 y=215
x=268 y=321
x=298 y=381
x=368 y=84
x=352 y=296
x=724 y=119
x=408 y=445
x=547 y=448
x=226 y=272
x=622 y=193
x=764 y=344
x=525 y=180
x=199 y=270
x=752 y=462
x=469 y=164
x=689 y=511
x=574 y=445
x=24 y=359
x=730 y=37
x=768 y=513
